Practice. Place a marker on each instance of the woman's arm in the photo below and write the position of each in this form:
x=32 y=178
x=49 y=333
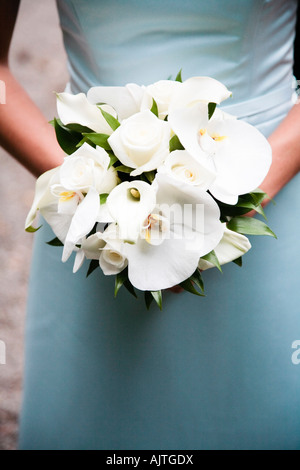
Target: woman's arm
x=24 y=131
x=285 y=144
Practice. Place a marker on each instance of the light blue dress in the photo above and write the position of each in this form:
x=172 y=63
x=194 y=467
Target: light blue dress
x=205 y=373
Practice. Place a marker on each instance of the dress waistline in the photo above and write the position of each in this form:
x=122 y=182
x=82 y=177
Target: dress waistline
x=256 y=106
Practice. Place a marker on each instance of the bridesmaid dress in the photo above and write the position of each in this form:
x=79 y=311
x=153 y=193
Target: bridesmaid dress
x=205 y=373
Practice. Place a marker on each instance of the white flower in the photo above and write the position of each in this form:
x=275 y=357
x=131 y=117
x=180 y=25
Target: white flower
x=141 y=142
x=77 y=109
x=182 y=227
x=162 y=92
x=125 y=100
x=236 y=151
x=92 y=246
x=107 y=248
x=232 y=246
x=112 y=259
x=199 y=89
x=43 y=196
x=86 y=168
x=82 y=222
x=183 y=167
x=129 y=204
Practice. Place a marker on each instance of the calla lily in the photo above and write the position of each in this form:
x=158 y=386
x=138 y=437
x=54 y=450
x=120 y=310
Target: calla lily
x=190 y=227
x=232 y=246
x=141 y=142
x=183 y=167
x=199 y=89
x=162 y=92
x=82 y=222
x=129 y=204
x=77 y=109
x=126 y=100
x=237 y=152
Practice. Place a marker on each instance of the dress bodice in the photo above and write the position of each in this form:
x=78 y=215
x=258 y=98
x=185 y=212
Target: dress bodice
x=248 y=45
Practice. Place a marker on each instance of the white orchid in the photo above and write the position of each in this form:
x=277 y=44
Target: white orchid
x=197 y=90
x=126 y=100
x=42 y=196
x=141 y=142
x=180 y=165
x=182 y=227
x=232 y=246
x=77 y=109
x=235 y=151
x=162 y=92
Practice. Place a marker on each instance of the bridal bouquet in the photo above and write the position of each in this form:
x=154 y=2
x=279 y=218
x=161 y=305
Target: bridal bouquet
x=155 y=183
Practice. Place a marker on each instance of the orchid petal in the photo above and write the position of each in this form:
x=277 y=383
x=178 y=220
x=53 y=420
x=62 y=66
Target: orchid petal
x=79 y=260
x=82 y=223
x=242 y=161
x=197 y=89
x=42 y=196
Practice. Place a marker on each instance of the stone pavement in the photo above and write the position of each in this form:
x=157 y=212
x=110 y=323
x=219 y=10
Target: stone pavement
x=38 y=62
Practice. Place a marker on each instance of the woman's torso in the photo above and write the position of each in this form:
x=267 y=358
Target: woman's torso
x=246 y=44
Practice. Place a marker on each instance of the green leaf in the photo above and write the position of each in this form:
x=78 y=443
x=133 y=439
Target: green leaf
x=189 y=286
x=250 y=226
x=258 y=196
x=113 y=160
x=157 y=296
x=94 y=264
x=175 y=144
x=66 y=138
x=154 y=108
x=211 y=109
x=213 y=259
x=55 y=242
x=179 y=76
x=238 y=261
x=124 y=169
x=78 y=128
x=130 y=288
x=98 y=139
x=196 y=278
x=120 y=279
x=31 y=229
x=83 y=141
x=150 y=175
x=148 y=299
x=111 y=121
x=103 y=198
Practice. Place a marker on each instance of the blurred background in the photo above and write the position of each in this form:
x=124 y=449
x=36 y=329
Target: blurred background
x=37 y=59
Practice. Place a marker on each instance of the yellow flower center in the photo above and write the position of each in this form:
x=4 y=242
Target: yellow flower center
x=66 y=195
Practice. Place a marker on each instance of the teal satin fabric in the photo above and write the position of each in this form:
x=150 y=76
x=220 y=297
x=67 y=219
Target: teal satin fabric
x=205 y=373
